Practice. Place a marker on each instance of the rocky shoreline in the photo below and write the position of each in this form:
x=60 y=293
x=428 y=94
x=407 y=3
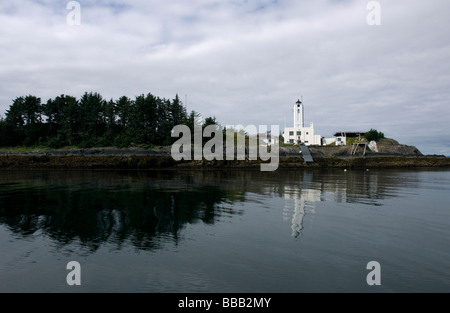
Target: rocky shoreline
x=390 y=155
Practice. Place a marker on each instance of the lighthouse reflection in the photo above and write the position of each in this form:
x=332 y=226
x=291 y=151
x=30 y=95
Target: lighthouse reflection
x=302 y=193
x=299 y=201
x=142 y=208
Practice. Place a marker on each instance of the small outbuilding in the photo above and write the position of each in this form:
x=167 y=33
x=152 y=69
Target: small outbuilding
x=341 y=137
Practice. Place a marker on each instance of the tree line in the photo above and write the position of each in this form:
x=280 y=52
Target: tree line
x=93 y=121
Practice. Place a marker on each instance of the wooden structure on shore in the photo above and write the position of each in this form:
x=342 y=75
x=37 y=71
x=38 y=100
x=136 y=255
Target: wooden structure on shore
x=355 y=147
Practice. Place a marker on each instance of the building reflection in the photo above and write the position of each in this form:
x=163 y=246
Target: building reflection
x=303 y=191
x=98 y=207
x=299 y=201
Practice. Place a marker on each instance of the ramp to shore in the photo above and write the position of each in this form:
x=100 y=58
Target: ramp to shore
x=306 y=154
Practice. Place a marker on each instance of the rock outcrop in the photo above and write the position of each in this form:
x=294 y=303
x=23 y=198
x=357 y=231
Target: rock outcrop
x=385 y=147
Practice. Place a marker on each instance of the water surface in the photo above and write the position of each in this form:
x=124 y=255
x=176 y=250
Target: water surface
x=225 y=231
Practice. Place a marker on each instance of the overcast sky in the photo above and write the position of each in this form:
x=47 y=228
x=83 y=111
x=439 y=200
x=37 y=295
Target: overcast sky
x=244 y=62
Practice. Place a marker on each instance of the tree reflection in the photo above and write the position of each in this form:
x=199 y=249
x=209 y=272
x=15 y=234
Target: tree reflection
x=143 y=207
x=110 y=210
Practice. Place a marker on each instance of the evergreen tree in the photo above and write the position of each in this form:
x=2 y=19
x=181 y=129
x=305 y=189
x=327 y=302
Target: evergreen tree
x=373 y=135
x=109 y=120
x=15 y=122
x=70 y=121
x=210 y=121
x=3 y=132
x=62 y=120
x=123 y=110
x=91 y=119
x=177 y=111
x=165 y=122
x=194 y=118
x=144 y=119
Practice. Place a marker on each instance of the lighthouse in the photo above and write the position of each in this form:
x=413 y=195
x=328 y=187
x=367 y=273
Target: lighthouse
x=299 y=117
x=300 y=134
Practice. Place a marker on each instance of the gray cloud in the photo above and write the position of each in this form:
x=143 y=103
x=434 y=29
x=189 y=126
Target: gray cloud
x=245 y=62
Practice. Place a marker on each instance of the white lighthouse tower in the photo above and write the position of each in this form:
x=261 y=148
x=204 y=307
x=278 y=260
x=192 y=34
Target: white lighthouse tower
x=300 y=134
x=299 y=117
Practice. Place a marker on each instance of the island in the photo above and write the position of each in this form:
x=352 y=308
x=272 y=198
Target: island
x=389 y=154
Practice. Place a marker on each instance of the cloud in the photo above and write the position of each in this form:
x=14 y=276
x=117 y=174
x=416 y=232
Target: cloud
x=245 y=62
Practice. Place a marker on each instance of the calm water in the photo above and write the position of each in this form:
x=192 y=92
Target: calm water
x=222 y=231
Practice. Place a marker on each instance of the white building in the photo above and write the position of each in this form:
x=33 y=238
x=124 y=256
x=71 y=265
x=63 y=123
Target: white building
x=338 y=141
x=299 y=134
x=340 y=138
x=265 y=140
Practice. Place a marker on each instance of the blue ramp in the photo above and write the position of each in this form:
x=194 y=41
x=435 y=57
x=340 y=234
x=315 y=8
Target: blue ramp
x=306 y=154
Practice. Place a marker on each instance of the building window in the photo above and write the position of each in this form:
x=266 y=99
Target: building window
x=291 y=141
x=299 y=133
x=291 y=133
x=307 y=133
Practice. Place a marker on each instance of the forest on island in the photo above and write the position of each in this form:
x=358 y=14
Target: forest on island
x=93 y=121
